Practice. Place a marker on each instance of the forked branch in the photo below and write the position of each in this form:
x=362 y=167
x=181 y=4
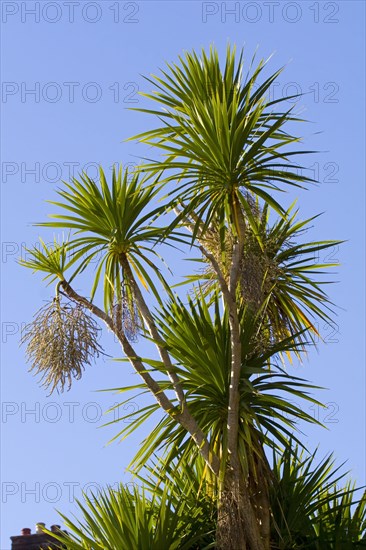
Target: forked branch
x=183 y=417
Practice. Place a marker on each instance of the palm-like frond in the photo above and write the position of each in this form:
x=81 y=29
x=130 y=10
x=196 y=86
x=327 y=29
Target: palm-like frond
x=296 y=299
x=341 y=519
x=313 y=506
x=126 y=519
x=279 y=272
x=200 y=346
x=116 y=220
x=221 y=135
x=50 y=259
x=191 y=484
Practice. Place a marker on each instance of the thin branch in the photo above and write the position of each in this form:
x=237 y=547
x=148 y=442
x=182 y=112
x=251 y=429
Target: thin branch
x=229 y=294
x=235 y=337
x=223 y=285
x=184 y=418
x=235 y=268
x=149 y=320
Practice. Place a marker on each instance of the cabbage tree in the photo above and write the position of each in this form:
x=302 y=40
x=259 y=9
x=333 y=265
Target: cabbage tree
x=218 y=376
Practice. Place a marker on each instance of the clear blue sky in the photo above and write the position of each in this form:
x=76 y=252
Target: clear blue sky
x=84 y=61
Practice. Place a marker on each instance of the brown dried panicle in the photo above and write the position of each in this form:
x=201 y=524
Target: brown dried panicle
x=61 y=341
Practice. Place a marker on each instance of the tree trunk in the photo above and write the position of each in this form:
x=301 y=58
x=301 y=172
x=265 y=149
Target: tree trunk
x=260 y=497
x=263 y=513
x=238 y=526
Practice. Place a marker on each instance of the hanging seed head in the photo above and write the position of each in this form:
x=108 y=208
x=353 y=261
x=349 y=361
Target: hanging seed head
x=61 y=340
x=125 y=313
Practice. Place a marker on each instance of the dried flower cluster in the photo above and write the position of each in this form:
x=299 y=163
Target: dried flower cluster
x=125 y=313
x=61 y=341
x=258 y=272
